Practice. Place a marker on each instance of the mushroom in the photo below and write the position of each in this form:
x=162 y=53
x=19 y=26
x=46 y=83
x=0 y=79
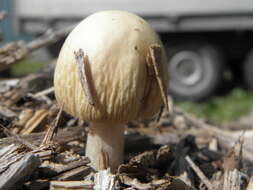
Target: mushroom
x=111 y=70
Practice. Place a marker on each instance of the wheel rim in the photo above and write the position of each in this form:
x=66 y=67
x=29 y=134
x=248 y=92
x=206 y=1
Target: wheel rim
x=186 y=68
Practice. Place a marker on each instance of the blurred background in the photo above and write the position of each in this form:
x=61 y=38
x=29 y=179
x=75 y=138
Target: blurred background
x=209 y=46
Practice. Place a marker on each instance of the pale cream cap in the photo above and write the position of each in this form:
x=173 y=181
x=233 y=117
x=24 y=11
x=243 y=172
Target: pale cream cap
x=116 y=43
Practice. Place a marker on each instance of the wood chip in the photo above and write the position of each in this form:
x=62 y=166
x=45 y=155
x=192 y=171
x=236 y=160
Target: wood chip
x=44 y=92
x=71 y=185
x=234 y=180
x=7 y=113
x=135 y=183
x=149 y=159
x=161 y=184
x=104 y=180
x=250 y=184
x=200 y=174
x=19 y=171
x=39 y=116
x=24 y=117
x=75 y=174
x=57 y=171
x=6 y=85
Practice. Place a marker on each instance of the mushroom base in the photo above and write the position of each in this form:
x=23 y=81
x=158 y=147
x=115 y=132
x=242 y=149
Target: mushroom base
x=105 y=145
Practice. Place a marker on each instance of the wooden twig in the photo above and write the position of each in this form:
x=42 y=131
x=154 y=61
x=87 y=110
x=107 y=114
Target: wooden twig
x=52 y=130
x=103 y=160
x=159 y=114
x=151 y=76
x=155 y=53
x=19 y=139
x=71 y=165
x=44 y=153
x=75 y=174
x=70 y=185
x=82 y=65
x=41 y=98
x=13 y=52
x=48 y=38
x=200 y=174
x=171 y=109
x=63 y=136
x=44 y=92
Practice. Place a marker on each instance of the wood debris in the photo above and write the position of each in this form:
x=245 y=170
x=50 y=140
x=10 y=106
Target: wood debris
x=15 y=51
x=6 y=85
x=250 y=184
x=104 y=180
x=34 y=121
x=18 y=171
x=200 y=174
x=68 y=185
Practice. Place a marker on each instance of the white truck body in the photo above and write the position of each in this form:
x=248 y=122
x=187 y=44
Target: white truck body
x=164 y=15
x=204 y=38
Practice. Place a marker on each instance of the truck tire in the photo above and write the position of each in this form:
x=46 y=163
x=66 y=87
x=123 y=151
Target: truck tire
x=248 y=70
x=196 y=72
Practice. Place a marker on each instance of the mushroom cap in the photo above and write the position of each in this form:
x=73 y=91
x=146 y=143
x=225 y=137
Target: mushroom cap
x=117 y=44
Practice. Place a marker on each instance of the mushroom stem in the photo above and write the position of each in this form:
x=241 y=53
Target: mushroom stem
x=105 y=145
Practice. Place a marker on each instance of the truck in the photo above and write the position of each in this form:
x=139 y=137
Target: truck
x=207 y=42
